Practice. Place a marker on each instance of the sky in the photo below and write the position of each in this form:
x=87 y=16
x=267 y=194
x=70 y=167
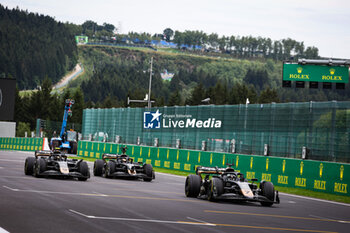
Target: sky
x=324 y=24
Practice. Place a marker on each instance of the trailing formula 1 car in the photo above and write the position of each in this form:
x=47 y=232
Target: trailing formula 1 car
x=226 y=183
x=56 y=164
x=115 y=165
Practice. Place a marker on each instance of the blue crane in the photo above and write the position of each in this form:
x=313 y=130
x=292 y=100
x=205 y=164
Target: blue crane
x=66 y=142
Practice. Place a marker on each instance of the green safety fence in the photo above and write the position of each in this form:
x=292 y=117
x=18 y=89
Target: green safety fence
x=23 y=144
x=322 y=129
x=53 y=128
x=319 y=176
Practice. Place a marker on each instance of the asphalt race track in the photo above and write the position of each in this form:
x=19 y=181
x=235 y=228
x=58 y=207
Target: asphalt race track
x=29 y=204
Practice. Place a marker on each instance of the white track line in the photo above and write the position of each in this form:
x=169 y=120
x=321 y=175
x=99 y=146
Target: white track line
x=314 y=199
x=166 y=174
x=140 y=220
x=53 y=192
x=197 y=220
x=101 y=194
x=12 y=160
x=2 y=230
x=329 y=219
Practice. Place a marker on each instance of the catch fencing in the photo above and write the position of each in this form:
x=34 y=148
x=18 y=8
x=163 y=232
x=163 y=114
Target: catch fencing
x=316 y=130
x=47 y=128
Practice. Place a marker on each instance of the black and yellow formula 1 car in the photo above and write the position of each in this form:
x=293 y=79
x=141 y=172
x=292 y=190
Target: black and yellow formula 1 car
x=122 y=166
x=226 y=183
x=56 y=164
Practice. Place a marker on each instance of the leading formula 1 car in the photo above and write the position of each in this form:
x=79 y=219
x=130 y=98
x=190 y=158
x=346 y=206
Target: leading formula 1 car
x=226 y=183
x=56 y=164
x=115 y=165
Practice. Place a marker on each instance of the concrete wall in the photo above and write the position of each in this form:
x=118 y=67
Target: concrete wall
x=7 y=129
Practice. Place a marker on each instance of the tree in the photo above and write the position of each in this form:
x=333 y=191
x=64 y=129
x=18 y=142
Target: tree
x=21 y=128
x=198 y=94
x=168 y=33
x=46 y=98
x=240 y=93
x=89 y=25
x=78 y=106
x=311 y=52
x=108 y=27
x=175 y=99
x=179 y=39
x=256 y=77
x=108 y=102
x=219 y=94
x=268 y=96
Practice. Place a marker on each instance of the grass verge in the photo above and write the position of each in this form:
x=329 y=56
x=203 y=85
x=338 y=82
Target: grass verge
x=296 y=191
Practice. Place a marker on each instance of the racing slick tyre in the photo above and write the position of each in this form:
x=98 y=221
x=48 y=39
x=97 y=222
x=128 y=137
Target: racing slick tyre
x=84 y=170
x=39 y=167
x=268 y=191
x=98 y=167
x=216 y=189
x=148 y=170
x=29 y=166
x=110 y=169
x=193 y=185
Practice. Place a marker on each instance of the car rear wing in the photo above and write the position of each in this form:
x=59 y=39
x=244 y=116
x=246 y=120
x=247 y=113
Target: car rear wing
x=48 y=153
x=109 y=156
x=209 y=170
x=42 y=153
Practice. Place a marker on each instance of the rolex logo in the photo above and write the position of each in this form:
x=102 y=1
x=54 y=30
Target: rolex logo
x=332 y=71
x=299 y=69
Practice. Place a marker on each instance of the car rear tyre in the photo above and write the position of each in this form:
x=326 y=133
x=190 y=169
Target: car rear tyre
x=98 y=167
x=84 y=170
x=193 y=185
x=216 y=189
x=268 y=191
x=29 y=166
x=148 y=169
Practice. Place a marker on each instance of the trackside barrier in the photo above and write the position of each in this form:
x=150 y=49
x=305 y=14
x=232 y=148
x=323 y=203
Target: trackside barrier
x=23 y=144
x=319 y=176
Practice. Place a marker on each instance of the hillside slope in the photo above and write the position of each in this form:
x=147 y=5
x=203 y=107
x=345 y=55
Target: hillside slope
x=115 y=73
x=34 y=46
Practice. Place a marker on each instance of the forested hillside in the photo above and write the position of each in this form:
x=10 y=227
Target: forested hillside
x=33 y=47
x=114 y=73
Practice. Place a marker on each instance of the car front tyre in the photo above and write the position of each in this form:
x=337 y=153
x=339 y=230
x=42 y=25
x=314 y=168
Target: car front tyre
x=29 y=166
x=84 y=170
x=148 y=169
x=216 y=189
x=193 y=185
x=268 y=191
x=98 y=167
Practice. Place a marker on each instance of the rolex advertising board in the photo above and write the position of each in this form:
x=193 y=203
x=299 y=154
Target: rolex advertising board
x=315 y=73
